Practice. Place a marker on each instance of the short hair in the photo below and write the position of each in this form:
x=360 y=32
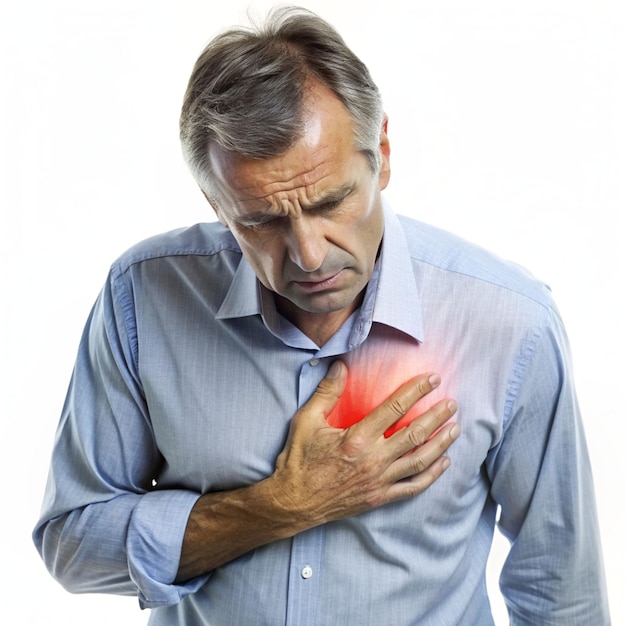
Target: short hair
x=246 y=90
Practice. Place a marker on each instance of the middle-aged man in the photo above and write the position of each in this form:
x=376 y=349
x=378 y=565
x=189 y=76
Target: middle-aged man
x=259 y=425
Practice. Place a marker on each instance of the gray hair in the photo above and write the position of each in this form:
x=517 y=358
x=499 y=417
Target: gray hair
x=246 y=90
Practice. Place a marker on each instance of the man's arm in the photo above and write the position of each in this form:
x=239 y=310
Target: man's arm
x=105 y=528
x=541 y=478
x=324 y=474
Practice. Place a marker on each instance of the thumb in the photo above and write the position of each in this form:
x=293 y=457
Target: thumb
x=325 y=397
x=312 y=415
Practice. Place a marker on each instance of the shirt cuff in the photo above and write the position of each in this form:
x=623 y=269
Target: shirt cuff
x=154 y=542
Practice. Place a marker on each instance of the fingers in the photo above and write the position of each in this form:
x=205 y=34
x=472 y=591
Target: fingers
x=417 y=483
x=421 y=458
x=398 y=404
x=418 y=450
x=416 y=471
x=422 y=428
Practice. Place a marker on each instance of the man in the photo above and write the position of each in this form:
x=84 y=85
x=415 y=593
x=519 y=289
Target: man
x=258 y=428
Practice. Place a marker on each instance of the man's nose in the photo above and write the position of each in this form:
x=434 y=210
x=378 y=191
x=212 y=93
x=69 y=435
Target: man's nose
x=306 y=244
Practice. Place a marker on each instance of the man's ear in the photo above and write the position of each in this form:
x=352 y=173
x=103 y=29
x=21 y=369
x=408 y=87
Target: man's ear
x=385 y=168
x=213 y=204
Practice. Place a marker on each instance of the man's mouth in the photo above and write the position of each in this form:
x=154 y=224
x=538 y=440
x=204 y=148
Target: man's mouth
x=321 y=284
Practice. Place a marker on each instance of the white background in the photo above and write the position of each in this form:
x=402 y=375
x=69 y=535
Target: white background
x=507 y=126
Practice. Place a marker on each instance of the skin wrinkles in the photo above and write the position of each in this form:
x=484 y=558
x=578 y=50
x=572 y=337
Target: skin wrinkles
x=309 y=221
x=282 y=175
x=281 y=205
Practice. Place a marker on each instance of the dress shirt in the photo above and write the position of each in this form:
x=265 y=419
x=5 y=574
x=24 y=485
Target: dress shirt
x=185 y=383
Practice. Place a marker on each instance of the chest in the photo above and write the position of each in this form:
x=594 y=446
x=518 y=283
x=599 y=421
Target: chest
x=221 y=398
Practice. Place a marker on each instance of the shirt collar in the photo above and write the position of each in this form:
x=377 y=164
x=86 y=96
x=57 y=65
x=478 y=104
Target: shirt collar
x=396 y=298
x=391 y=297
x=243 y=297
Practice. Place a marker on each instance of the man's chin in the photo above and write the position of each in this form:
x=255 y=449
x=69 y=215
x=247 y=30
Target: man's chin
x=325 y=303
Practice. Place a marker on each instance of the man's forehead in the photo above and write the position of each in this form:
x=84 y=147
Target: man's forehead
x=305 y=176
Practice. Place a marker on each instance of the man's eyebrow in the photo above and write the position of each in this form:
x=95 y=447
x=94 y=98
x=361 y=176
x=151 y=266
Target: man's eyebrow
x=330 y=197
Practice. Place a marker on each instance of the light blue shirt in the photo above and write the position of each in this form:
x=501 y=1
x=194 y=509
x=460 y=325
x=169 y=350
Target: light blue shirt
x=186 y=380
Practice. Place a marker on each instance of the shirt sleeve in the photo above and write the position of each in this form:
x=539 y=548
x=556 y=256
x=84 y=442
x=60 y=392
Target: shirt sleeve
x=541 y=478
x=105 y=525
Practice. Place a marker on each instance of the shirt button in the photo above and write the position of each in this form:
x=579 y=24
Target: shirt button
x=307 y=571
x=314 y=362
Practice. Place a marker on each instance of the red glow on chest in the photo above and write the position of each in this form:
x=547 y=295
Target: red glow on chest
x=362 y=396
x=356 y=403
x=375 y=370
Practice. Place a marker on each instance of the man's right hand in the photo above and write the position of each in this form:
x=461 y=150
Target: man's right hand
x=327 y=473
x=324 y=474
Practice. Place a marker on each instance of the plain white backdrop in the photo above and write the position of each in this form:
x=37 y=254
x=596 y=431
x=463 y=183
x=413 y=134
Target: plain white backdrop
x=507 y=127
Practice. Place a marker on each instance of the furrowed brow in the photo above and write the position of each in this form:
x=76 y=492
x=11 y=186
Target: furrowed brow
x=334 y=196
x=331 y=197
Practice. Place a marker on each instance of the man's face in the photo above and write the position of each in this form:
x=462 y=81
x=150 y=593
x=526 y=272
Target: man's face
x=309 y=221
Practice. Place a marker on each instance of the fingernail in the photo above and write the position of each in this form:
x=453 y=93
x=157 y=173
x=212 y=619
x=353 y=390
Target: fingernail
x=451 y=406
x=335 y=370
x=434 y=380
x=455 y=431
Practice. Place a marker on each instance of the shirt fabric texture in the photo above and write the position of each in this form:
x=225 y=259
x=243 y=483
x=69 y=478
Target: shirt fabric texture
x=185 y=383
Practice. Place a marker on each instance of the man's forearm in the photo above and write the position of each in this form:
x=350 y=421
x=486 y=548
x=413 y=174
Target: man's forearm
x=223 y=526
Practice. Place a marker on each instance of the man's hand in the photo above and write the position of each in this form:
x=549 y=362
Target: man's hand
x=324 y=473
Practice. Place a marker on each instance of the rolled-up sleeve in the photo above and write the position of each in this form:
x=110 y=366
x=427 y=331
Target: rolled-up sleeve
x=105 y=525
x=541 y=478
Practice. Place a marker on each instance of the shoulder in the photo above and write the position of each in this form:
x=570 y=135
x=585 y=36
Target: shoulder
x=200 y=240
x=436 y=252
